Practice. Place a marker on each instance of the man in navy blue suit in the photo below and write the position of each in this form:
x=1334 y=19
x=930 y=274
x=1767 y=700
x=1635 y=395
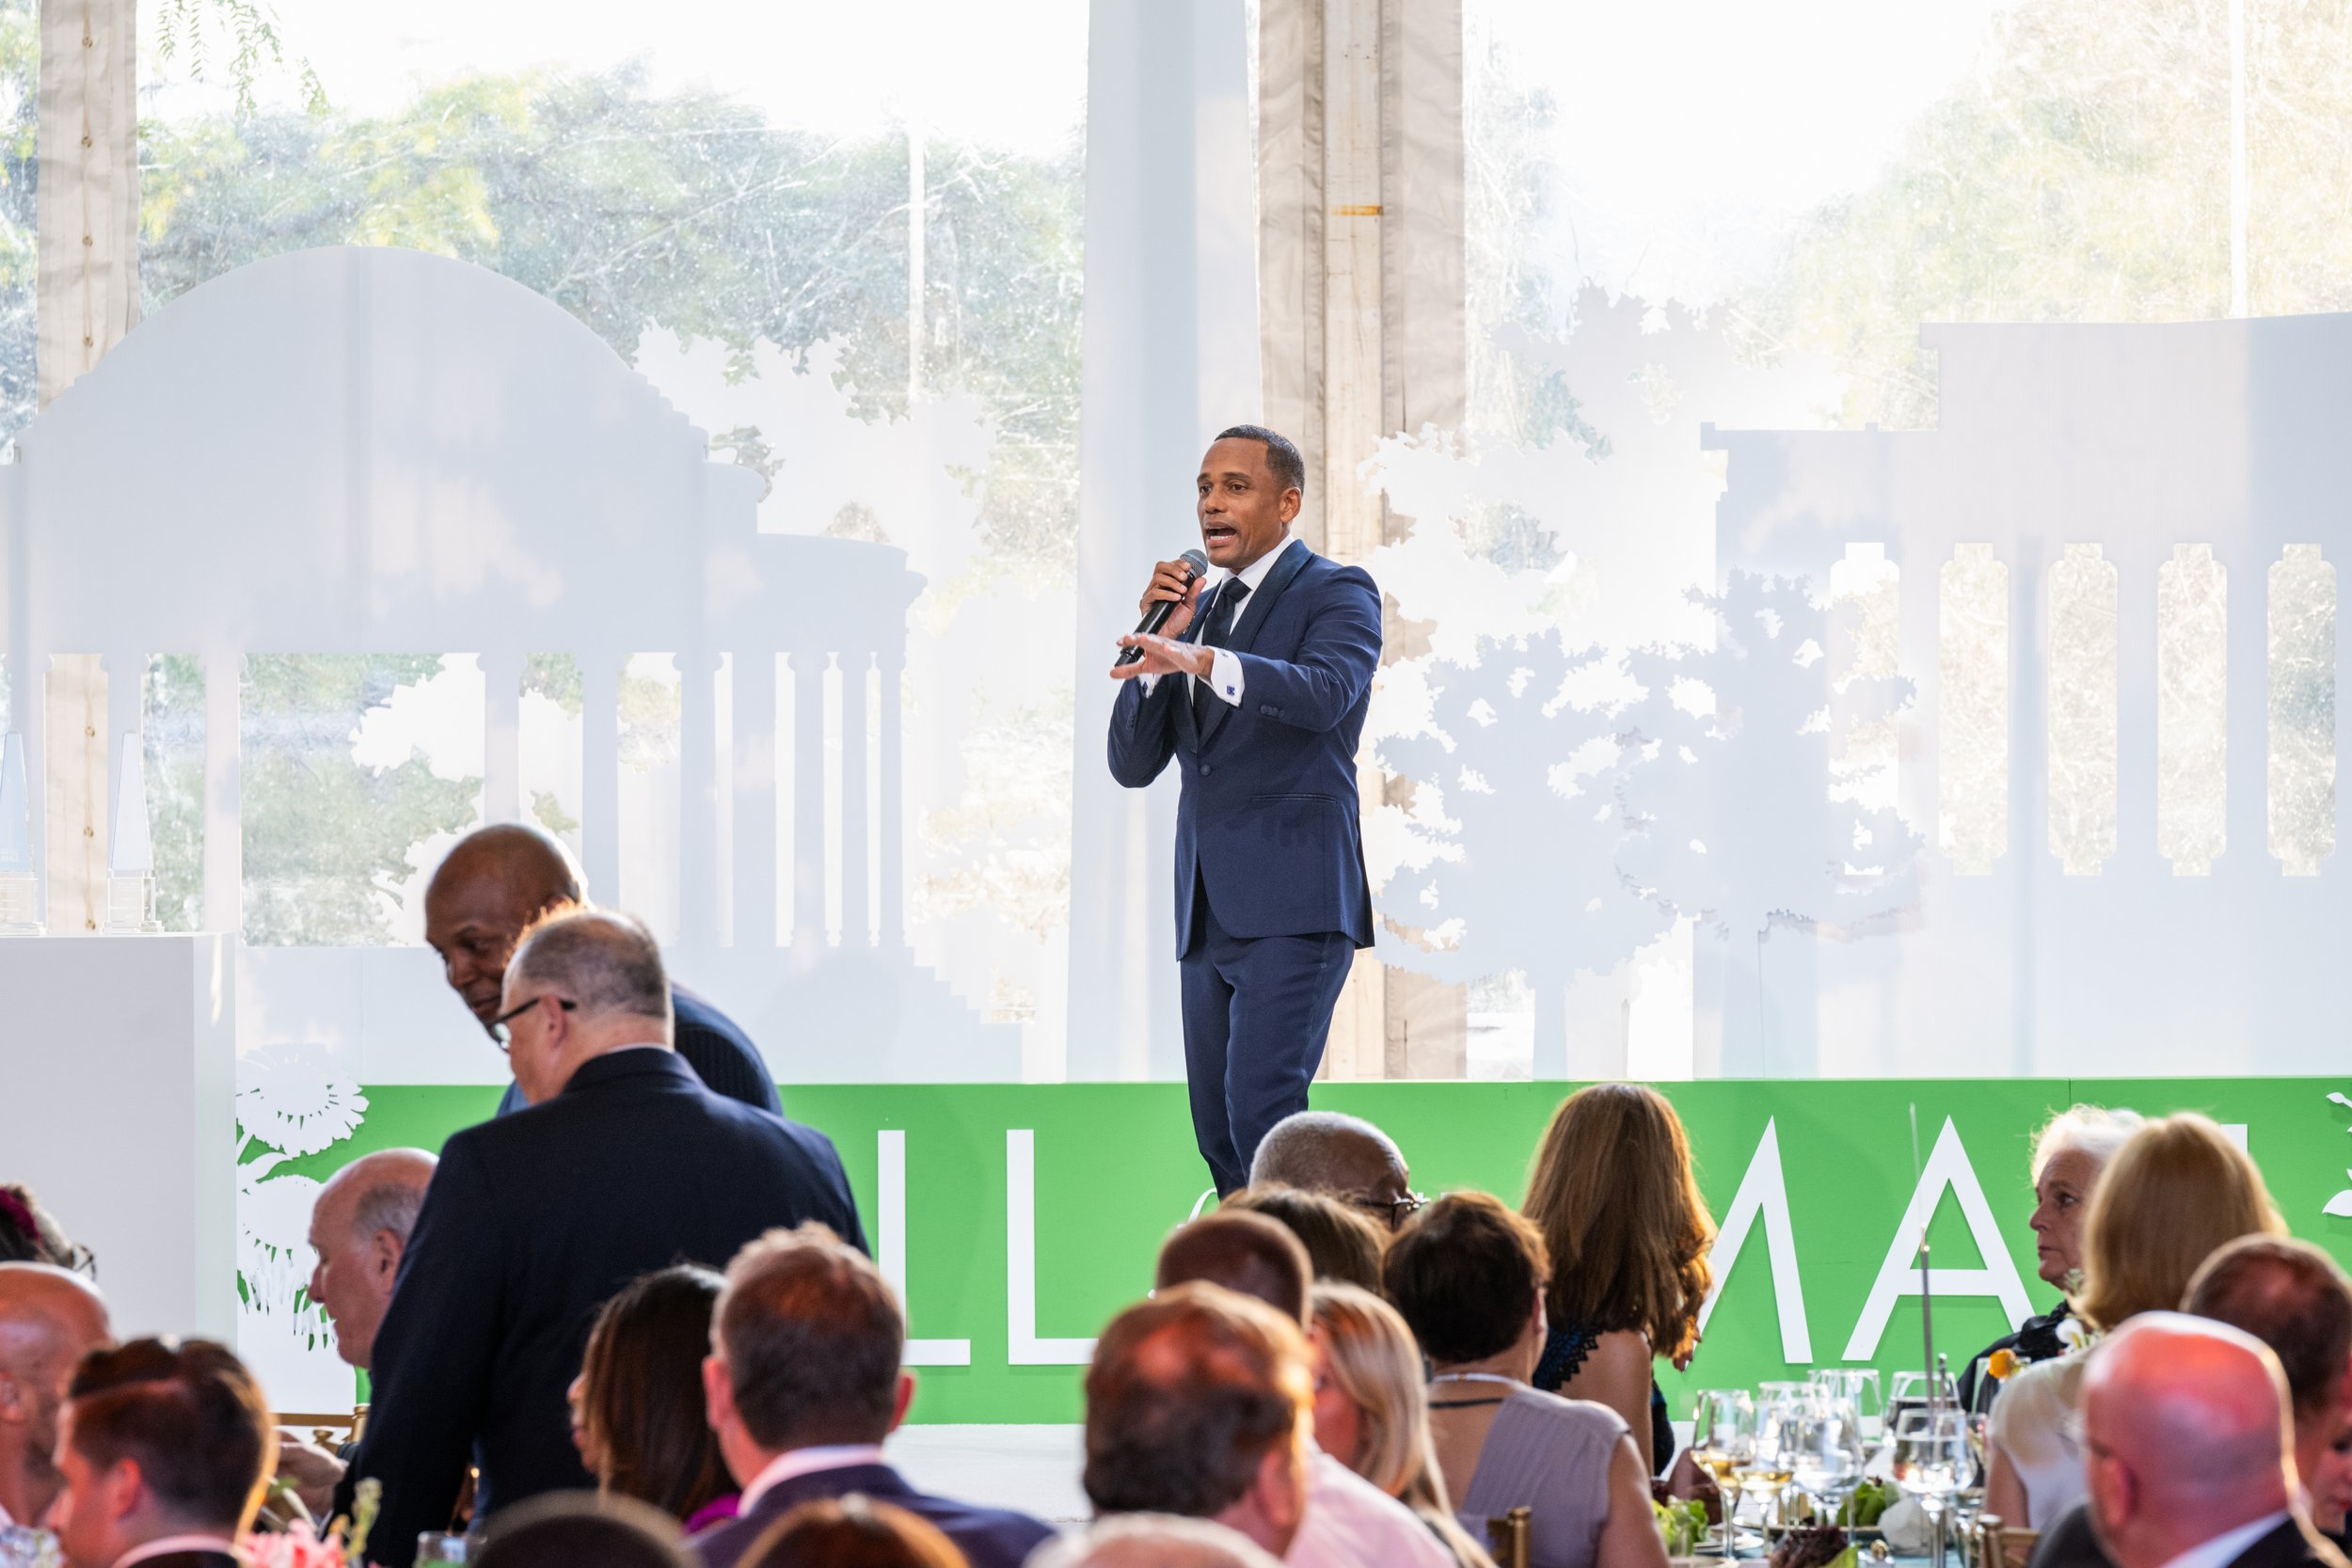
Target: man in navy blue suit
x=1256 y=686
x=493 y=883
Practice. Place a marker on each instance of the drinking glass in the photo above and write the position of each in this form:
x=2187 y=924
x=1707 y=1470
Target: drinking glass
x=1722 y=1427
x=1767 y=1468
x=439 y=1547
x=1931 y=1460
x=1859 y=1384
x=1826 y=1453
x=21 y=1547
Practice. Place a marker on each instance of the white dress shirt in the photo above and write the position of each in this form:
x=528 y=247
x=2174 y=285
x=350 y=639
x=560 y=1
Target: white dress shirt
x=1225 y=676
x=807 y=1461
x=1351 y=1523
x=166 y=1545
x=2229 y=1545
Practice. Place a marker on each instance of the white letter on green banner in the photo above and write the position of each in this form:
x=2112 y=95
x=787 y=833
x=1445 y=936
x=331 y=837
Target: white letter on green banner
x=890 y=1248
x=1764 y=1191
x=1024 y=1349
x=1898 y=1277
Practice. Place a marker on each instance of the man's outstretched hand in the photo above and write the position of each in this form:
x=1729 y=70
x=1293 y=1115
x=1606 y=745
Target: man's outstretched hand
x=1164 y=655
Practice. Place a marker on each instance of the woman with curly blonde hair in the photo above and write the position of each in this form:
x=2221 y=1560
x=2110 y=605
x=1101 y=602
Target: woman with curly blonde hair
x=1372 y=1409
x=1620 y=1211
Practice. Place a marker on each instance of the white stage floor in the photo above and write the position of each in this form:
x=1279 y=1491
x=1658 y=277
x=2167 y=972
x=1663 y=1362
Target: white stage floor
x=1033 y=1468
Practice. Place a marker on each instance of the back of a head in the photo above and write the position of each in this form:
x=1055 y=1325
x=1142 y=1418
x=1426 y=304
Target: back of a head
x=1249 y=1253
x=813 y=1336
x=582 y=1529
x=647 y=1431
x=1614 y=1196
x=1341 y=1244
x=536 y=867
x=1323 y=1152
x=1186 y=1394
x=30 y=1234
x=385 y=1189
x=1463 y=1274
x=1368 y=1350
x=47 y=1313
x=2196 y=1408
x=2176 y=1190
x=189 y=1414
x=856 y=1531
x=607 y=962
x=2292 y=1297
x=1155 y=1540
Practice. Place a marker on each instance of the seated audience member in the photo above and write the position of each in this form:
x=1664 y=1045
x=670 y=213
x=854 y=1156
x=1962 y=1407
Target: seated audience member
x=1154 y=1541
x=2186 y=1462
x=1628 y=1234
x=804 y=1381
x=1372 y=1410
x=1468 y=1275
x=581 y=1529
x=1348 y=1520
x=626 y=1164
x=359 y=1226
x=1197 y=1403
x=493 y=885
x=2069 y=1152
x=30 y=1234
x=1341 y=1244
x=49 y=1320
x=854 y=1531
x=166 y=1449
x=2292 y=1297
x=2175 y=1190
x=638 y=1414
x=1346 y=1157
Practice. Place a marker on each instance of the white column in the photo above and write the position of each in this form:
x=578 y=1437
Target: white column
x=1171 y=356
x=88 y=209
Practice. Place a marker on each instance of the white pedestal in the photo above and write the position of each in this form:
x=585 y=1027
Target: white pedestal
x=118 y=1107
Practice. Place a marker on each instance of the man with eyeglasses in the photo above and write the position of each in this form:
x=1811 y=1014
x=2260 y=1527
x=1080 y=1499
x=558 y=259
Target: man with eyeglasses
x=1340 y=1156
x=488 y=889
x=622 y=1162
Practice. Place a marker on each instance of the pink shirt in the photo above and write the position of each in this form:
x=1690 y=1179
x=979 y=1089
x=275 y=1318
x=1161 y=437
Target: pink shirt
x=1351 y=1523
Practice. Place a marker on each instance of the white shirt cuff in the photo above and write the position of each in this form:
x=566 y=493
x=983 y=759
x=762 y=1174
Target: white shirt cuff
x=1225 y=676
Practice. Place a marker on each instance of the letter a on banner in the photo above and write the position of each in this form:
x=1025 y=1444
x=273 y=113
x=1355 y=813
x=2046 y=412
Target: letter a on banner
x=1763 y=1191
x=1898 y=1277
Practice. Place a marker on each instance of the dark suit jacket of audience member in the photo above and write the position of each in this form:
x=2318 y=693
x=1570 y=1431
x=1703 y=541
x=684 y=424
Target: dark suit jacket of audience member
x=192 y=1559
x=2071 y=1542
x=531 y=1222
x=715 y=1046
x=988 y=1537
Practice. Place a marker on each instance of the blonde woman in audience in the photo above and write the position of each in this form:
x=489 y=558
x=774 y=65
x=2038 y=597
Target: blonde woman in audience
x=2175 y=1190
x=1629 y=1234
x=1468 y=1276
x=1372 y=1413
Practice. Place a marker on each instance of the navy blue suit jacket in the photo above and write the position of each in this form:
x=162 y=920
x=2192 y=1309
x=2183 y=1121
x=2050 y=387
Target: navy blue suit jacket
x=1267 y=817
x=531 y=1223
x=988 y=1537
x=715 y=1046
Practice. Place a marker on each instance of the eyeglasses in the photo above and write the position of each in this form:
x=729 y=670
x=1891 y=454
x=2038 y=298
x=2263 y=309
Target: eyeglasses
x=505 y=1037
x=1395 y=1210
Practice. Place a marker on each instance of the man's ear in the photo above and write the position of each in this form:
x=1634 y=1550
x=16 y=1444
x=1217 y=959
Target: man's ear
x=1280 y=1489
x=15 y=1408
x=384 y=1250
x=123 y=1489
x=901 y=1399
x=718 y=1392
x=1288 y=507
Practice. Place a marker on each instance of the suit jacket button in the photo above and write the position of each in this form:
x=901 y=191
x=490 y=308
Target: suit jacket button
x=1206 y=769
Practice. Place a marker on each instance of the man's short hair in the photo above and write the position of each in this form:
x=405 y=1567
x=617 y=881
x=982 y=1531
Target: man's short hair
x=1464 y=1273
x=1154 y=1541
x=1341 y=1244
x=1281 y=457
x=387 y=1203
x=189 y=1414
x=2292 y=1297
x=1316 y=1151
x=1187 y=1395
x=813 y=1336
x=564 y=1529
x=1252 y=1254
x=605 y=961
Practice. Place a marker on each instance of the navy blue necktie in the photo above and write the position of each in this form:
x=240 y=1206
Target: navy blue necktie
x=1220 y=631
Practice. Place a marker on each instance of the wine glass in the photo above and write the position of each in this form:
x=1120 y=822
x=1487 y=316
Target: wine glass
x=1859 y=1384
x=21 y=1547
x=1826 y=1453
x=1931 y=1460
x=1766 y=1468
x=1723 y=1425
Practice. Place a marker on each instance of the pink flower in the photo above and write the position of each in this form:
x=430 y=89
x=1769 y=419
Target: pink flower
x=298 y=1548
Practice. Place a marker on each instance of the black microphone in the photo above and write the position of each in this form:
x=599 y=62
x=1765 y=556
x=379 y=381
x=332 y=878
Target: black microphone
x=1196 y=567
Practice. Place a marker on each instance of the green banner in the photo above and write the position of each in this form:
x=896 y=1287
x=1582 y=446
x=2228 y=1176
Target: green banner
x=1021 y=1216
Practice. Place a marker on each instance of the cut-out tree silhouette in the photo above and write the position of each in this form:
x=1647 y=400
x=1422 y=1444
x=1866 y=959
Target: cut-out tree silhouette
x=1523 y=874
x=1742 y=835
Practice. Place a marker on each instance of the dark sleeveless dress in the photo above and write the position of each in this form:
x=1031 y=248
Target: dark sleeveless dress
x=1564 y=1350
